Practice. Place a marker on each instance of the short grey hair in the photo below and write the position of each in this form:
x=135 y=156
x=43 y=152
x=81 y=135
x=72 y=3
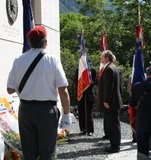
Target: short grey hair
x=114 y=58
x=108 y=54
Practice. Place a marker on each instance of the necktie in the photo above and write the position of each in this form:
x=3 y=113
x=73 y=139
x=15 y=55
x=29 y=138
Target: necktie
x=100 y=73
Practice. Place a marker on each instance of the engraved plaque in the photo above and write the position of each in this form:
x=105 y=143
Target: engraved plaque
x=12 y=10
x=11 y=23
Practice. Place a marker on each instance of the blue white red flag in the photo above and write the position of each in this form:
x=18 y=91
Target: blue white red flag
x=103 y=47
x=84 y=74
x=138 y=73
x=28 y=22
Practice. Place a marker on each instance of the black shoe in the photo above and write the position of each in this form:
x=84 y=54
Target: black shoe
x=112 y=149
x=105 y=137
x=82 y=133
x=134 y=140
x=90 y=134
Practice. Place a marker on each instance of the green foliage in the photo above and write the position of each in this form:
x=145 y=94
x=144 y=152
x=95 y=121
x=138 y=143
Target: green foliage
x=95 y=60
x=71 y=24
x=126 y=72
x=91 y=7
x=70 y=62
x=118 y=21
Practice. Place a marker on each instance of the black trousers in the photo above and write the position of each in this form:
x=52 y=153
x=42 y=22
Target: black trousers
x=86 y=117
x=143 y=133
x=113 y=127
x=105 y=126
x=38 y=125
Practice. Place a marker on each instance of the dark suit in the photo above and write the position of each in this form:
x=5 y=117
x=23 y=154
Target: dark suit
x=86 y=105
x=141 y=98
x=109 y=92
x=121 y=91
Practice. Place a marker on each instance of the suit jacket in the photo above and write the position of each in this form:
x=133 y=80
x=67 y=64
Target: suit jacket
x=109 y=88
x=140 y=98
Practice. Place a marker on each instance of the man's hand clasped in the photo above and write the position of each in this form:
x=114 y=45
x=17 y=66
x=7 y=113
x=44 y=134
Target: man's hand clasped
x=106 y=105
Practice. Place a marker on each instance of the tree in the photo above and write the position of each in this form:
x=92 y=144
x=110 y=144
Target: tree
x=70 y=63
x=118 y=21
x=91 y=7
x=128 y=11
x=70 y=25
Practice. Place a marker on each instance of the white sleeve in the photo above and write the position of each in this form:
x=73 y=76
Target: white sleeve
x=61 y=79
x=11 y=78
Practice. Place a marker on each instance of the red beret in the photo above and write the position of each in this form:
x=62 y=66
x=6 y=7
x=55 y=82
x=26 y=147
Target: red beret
x=38 y=32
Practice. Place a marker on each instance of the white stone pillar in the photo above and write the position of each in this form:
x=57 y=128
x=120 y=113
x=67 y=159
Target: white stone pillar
x=46 y=12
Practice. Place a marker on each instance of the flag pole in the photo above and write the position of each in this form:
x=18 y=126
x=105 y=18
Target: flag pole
x=85 y=100
x=86 y=117
x=139 y=38
x=84 y=79
x=139 y=15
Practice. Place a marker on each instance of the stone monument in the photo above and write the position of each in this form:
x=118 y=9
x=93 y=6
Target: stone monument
x=11 y=37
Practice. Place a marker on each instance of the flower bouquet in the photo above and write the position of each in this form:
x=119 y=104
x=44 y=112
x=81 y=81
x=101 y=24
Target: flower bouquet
x=64 y=128
x=63 y=136
x=9 y=129
x=11 y=154
x=9 y=105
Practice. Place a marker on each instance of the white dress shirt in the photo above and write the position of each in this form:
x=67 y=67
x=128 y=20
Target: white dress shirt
x=43 y=82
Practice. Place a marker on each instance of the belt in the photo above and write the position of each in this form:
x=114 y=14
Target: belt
x=38 y=102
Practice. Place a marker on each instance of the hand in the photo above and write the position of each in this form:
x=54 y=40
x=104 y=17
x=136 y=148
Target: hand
x=66 y=121
x=106 y=105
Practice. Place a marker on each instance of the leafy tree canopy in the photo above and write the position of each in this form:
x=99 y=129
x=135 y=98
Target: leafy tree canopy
x=118 y=22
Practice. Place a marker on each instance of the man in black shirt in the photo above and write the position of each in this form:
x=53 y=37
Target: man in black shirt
x=140 y=98
x=86 y=106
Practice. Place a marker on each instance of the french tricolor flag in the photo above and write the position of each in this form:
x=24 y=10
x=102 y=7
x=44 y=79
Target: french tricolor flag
x=84 y=74
x=138 y=73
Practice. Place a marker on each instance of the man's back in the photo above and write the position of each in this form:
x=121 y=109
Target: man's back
x=44 y=79
x=141 y=94
x=109 y=86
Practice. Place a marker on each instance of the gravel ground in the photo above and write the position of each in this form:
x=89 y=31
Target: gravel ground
x=90 y=148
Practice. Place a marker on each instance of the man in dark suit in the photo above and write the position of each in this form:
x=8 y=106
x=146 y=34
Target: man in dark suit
x=140 y=99
x=110 y=101
x=106 y=137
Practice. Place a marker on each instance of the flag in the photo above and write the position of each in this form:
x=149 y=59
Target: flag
x=84 y=74
x=103 y=47
x=28 y=22
x=138 y=73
